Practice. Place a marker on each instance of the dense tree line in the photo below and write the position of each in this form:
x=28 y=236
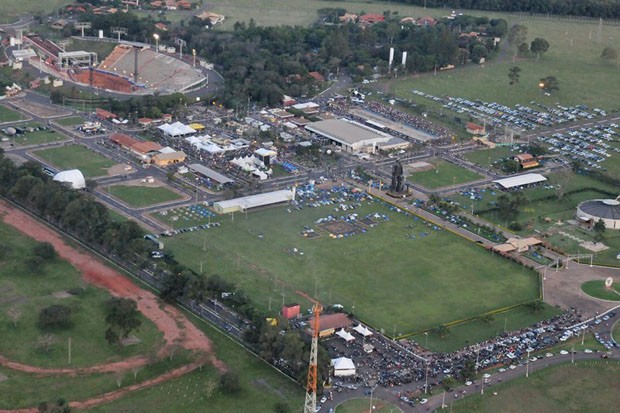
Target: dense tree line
x=607 y=9
x=78 y=213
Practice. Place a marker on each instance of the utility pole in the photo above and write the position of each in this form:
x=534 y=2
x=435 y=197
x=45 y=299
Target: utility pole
x=83 y=25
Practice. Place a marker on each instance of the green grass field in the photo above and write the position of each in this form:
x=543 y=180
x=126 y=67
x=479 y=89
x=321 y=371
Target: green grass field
x=395 y=276
x=27 y=390
x=596 y=288
x=70 y=121
x=12 y=8
x=575 y=49
x=583 y=387
x=476 y=331
x=362 y=405
x=261 y=386
x=9 y=115
x=76 y=157
x=30 y=292
x=38 y=137
x=486 y=157
x=141 y=196
x=444 y=174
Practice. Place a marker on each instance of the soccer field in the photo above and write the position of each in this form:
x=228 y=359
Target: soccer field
x=77 y=157
x=401 y=274
x=443 y=174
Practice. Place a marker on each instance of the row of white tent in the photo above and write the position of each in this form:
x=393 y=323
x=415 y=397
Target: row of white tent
x=346 y=336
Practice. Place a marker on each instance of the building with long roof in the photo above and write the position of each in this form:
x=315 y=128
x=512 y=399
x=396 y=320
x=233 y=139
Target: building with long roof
x=355 y=137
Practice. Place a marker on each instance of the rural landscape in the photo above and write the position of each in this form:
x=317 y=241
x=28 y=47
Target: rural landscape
x=292 y=206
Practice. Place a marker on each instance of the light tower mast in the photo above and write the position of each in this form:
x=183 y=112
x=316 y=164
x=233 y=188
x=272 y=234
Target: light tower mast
x=313 y=370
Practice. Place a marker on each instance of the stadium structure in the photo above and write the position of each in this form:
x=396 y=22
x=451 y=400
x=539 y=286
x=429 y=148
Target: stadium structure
x=608 y=210
x=131 y=68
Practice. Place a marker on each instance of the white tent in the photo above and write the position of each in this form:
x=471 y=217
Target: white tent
x=73 y=177
x=343 y=367
x=363 y=330
x=345 y=335
x=176 y=129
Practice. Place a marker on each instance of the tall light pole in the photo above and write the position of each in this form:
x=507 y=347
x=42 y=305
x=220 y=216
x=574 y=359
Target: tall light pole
x=156 y=37
x=426 y=340
x=371 y=392
x=426 y=380
x=194 y=54
x=527 y=365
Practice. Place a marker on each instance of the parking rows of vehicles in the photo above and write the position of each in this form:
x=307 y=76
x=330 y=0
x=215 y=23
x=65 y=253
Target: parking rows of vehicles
x=589 y=145
x=520 y=117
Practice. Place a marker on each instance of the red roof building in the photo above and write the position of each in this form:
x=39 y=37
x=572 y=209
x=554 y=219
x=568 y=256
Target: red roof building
x=290 y=311
x=104 y=114
x=371 y=18
x=475 y=129
x=316 y=76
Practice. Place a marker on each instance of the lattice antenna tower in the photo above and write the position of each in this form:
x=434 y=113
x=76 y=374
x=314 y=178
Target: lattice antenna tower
x=313 y=368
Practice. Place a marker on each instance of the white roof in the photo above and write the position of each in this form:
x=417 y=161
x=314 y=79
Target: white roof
x=363 y=330
x=346 y=336
x=343 y=363
x=176 y=129
x=167 y=149
x=253 y=201
x=306 y=105
x=265 y=152
x=74 y=177
x=519 y=180
x=210 y=173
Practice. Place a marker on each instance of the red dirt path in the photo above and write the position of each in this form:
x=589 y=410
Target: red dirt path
x=175 y=326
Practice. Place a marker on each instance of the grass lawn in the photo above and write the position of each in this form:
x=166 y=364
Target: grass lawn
x=261 y=386
x=9 y=115
x=30 y=292
x=574 y=49
x=77 y=157
x=38 y=137
x=616 y=332
x=486 y=157
x=476 y=331
x=141 y=196
x=444 y=174
x=362 y=406
x=581 y=387
x=12 y=8
x=70 y=121
x=102 y=49
x=27 y=390
x=387 y=277
x=596 y=288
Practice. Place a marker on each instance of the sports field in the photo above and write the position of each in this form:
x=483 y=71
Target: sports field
x=12 y=8
x=141 y=196
x=583 y=387
x=401 y=274
x=76 y=157
x=443 y=174
x=37 y=137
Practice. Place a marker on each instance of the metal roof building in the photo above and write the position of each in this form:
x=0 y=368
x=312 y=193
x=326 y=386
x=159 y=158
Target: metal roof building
x=606 y=209
x=253 y=201
x=355 y=137
x=520 y=180
x=210 y=173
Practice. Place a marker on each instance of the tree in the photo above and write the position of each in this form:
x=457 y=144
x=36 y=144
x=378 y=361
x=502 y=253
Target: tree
x=479 y=52
x=45 y=250
x=448 y=383
x=514 y=74
x=487 y=319
x=517 y=35
x=46 y=342
x=123 y=317
x=535 y=306
x=442 y=331
x=609 y=53
x=599 y=230
x=55 y=316
x=549 y=84
x=229 y=382
x=14 y=314
x=506 y=208
x=539 y=46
